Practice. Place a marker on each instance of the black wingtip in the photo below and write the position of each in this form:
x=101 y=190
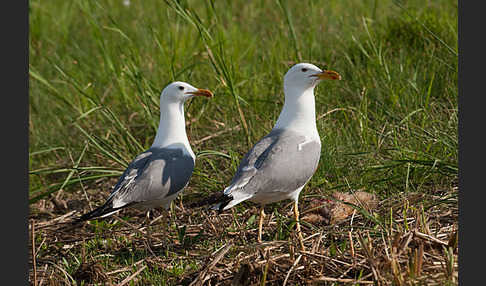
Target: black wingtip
x=94 y=214
x=218 y=201
x=224 y=201
x=91 y=215
x=98 y=212
x=212 y=199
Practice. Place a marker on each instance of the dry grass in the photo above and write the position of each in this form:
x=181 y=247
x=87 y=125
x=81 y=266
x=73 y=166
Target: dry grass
x=407 y=239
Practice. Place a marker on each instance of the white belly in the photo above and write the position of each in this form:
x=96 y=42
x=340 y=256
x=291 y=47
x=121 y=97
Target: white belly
x=275 y=196
x=164 y=202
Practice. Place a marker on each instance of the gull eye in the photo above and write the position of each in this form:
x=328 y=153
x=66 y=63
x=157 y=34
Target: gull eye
x=181 y=87
x=304 y=70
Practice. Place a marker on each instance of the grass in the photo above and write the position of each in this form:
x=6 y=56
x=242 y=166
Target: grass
x=389 y=128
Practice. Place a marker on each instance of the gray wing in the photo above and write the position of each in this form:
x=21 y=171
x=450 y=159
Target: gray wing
x=278 y=162
x=153 y=174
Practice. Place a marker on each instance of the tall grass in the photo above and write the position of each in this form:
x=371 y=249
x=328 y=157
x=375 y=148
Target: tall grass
x=97 y=68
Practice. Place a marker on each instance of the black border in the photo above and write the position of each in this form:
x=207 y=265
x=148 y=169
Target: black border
x=471 y=142
x=15 y=143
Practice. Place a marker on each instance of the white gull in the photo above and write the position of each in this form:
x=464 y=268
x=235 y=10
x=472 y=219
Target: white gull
x=156 y=176
x=281 y=163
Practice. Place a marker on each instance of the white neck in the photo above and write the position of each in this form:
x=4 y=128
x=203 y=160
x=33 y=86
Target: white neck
x=299 y=112
x=172 y=128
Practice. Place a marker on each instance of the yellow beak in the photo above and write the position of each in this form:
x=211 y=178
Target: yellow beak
x=201 y=92
x=328 y=74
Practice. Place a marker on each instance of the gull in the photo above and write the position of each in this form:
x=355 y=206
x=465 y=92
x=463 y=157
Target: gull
x=279 y=165
x=156 y=176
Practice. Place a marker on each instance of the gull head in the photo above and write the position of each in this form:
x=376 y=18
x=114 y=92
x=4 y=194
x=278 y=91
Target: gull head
x=303 y=76
x=179 y=91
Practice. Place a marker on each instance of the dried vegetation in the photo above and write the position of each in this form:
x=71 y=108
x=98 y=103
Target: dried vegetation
x=408 y=239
